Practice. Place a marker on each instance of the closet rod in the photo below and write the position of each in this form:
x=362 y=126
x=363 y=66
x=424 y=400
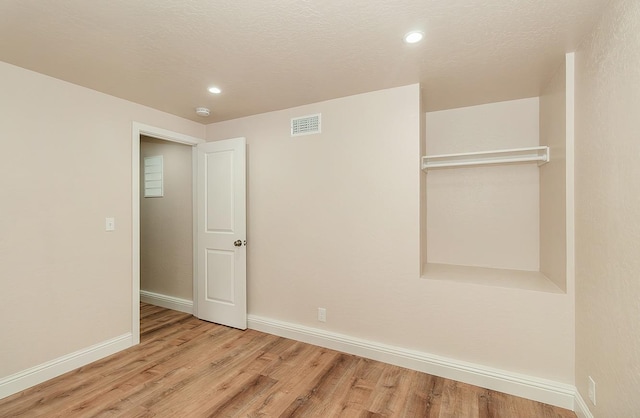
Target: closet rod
x=531 y=154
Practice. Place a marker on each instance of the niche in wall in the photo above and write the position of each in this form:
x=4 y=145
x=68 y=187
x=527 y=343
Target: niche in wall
x=502 y=224
x=484 y=216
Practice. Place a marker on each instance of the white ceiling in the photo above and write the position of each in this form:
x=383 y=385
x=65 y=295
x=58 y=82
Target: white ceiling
x=269 y=55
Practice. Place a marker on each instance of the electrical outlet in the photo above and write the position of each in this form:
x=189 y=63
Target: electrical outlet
x=322 y=315
x=592 y=390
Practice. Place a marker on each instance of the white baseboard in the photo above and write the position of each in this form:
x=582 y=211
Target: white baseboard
x=45 y=371
x=541 y=390
x=581 y=408
x=169 y=302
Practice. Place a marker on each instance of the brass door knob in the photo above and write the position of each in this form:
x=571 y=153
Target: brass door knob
x=237 y=243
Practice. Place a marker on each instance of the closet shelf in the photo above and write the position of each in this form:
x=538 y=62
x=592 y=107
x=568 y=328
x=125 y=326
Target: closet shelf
x=504 y=156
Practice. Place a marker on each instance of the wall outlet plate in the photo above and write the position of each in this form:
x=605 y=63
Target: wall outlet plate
x=322 y=315
x=592 y=390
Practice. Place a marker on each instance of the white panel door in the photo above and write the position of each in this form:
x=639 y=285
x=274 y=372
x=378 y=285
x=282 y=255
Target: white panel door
x=221 y=275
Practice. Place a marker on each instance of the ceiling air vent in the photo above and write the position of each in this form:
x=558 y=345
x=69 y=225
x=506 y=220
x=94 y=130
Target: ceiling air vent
x=306 y=125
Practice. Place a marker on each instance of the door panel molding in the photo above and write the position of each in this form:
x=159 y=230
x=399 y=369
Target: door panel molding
x=221 y=288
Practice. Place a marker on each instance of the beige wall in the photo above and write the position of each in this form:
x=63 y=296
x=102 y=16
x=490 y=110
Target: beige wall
x=166 y=223
x=557 y=232
x=334 y=222
x=608 y=212
x=553 y=187
x=484 y=216
x=65 y=165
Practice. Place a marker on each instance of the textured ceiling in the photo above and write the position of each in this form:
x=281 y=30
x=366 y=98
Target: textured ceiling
x=269 y=55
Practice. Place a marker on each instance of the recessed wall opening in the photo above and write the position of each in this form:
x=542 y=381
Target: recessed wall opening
x=145 y=133
x=166 y=220
x=504 y=223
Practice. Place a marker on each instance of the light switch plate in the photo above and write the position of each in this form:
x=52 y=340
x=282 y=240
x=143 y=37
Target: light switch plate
x=110 y=224
x=592 y=390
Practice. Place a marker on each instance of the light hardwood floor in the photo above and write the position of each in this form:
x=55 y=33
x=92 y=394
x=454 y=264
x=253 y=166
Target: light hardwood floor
x=185 y=367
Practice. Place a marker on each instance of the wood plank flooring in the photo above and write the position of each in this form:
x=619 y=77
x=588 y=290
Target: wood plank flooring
x=185 y=367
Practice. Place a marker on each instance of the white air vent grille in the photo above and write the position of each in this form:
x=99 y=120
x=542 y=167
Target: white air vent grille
x=306 y=125
x=153 y=176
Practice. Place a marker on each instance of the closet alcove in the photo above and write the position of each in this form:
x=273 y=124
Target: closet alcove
x=497 y=178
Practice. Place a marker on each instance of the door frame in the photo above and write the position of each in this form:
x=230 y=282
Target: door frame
x=138 y=129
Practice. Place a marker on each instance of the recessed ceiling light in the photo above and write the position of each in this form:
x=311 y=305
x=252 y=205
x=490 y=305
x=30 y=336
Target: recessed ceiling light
x=215 y=90
x=413 y=37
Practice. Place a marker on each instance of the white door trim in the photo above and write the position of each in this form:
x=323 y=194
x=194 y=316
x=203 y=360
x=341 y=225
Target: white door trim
x=138 y=129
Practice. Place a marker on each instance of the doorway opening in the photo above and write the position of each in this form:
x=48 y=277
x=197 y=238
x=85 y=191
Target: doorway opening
x=166 y=224
x=155 y=137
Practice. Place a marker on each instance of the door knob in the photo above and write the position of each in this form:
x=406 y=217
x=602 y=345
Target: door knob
x=237 y=243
